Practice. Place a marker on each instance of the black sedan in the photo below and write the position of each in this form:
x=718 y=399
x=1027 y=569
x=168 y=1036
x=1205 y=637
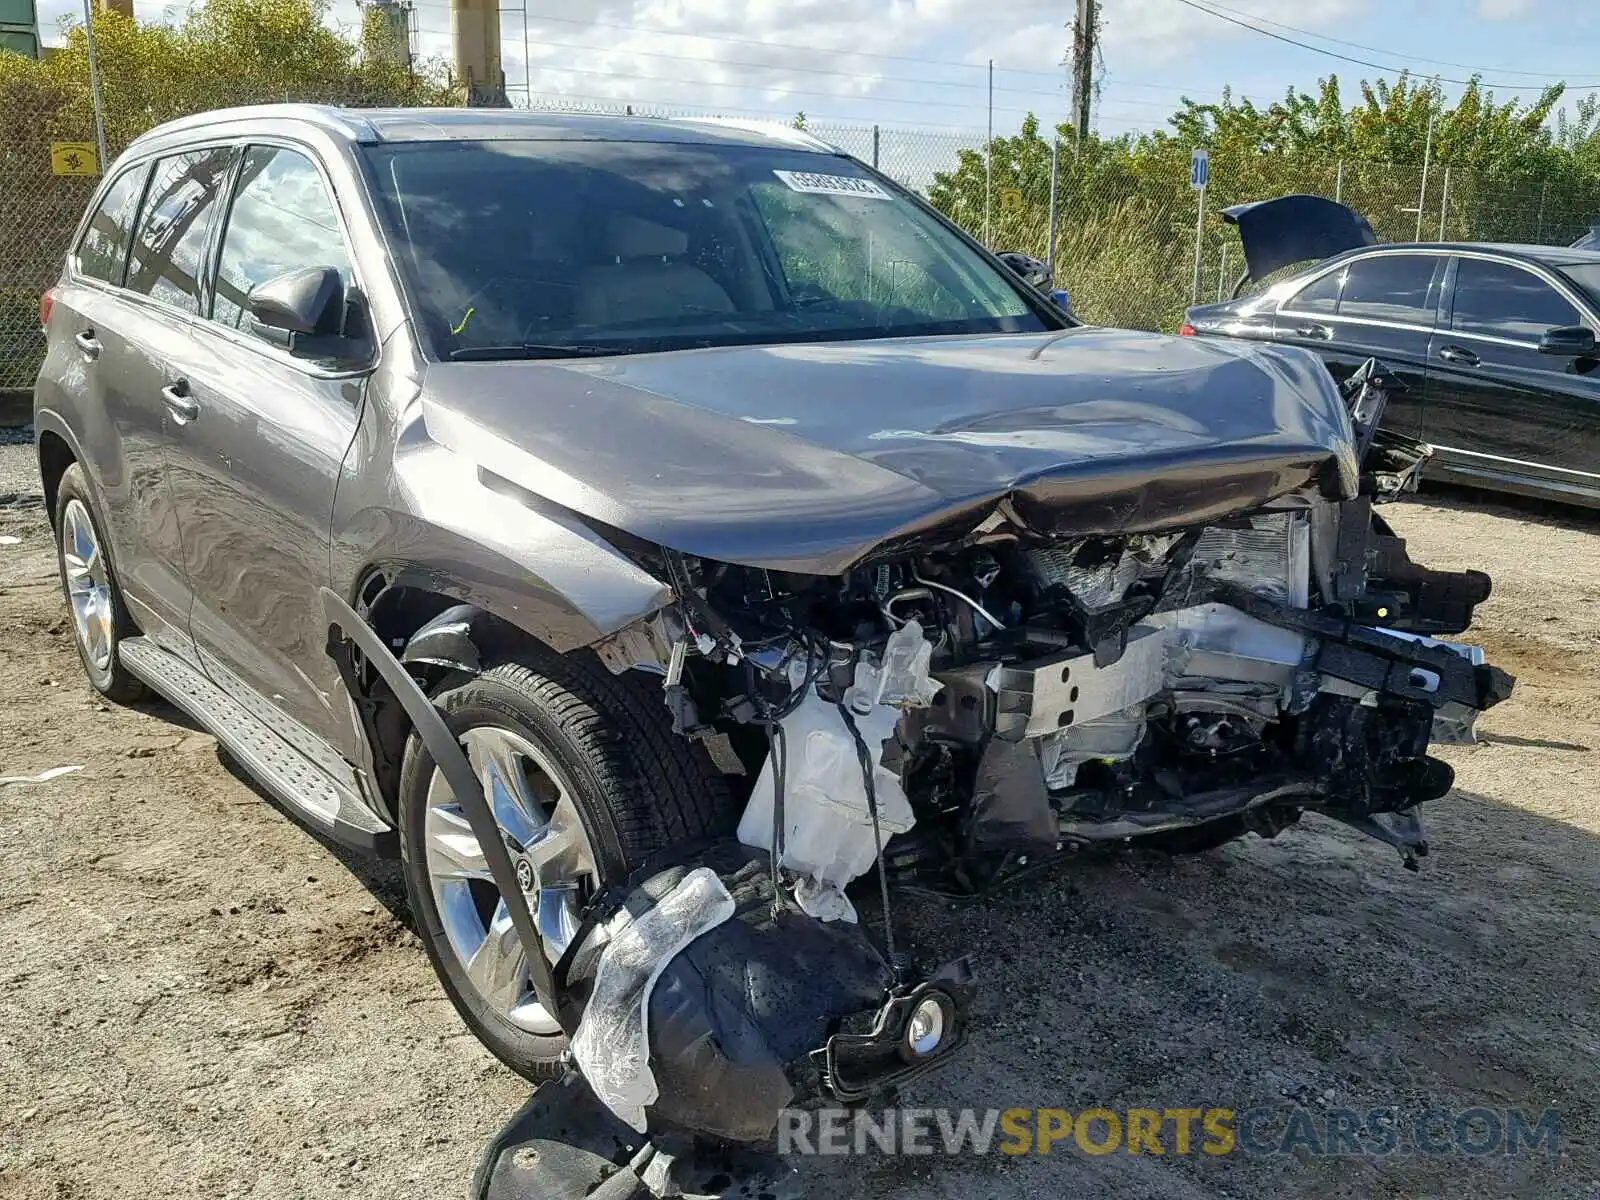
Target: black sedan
x=1496 y=343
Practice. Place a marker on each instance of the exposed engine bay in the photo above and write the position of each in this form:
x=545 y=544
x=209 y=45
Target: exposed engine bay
x=969 y=707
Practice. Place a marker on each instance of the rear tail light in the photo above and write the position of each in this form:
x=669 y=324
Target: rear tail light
x=46 y=303
x=1186 y=330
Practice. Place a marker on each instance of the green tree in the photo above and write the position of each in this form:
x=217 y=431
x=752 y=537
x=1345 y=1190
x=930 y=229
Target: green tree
x=224 y=53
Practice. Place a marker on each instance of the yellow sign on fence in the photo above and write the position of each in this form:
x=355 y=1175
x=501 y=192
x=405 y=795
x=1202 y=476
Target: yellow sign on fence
x=73 y=158
x=1011 y=200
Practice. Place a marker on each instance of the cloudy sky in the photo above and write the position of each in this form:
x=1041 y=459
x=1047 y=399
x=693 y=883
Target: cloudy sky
x=922 y=63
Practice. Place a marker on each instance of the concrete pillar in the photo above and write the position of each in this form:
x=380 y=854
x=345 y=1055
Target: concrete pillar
x=475 y=31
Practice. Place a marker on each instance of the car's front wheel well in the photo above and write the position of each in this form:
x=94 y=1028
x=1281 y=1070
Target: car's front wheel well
x=55 y=456
x=398 y=613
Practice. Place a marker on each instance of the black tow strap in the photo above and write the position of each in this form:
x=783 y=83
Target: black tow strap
x=346 y=624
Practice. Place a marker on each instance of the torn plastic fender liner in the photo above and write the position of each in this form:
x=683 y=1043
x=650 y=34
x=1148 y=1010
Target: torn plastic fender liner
x=452 y=639
x=611 y=1043
x=344 y=626
x=740 y=1019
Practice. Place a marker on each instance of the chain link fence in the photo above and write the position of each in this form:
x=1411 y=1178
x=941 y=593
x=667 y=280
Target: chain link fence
x=1122 y=238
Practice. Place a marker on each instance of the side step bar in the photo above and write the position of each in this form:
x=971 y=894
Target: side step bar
x=296 y=782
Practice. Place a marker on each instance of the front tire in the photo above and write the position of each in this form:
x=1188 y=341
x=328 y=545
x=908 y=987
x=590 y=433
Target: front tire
x=587 y=780
x=100 y=620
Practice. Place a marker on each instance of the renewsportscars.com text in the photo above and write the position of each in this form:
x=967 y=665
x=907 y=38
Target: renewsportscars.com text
x=1262 y=1131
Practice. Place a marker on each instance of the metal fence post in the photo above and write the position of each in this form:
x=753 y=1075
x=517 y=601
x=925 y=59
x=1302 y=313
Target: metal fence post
x=1444 y=203
x=1338 y=184
x=1199 y=243
x=1422 y=193
x=94 y=89
x=1544 y=190
x=874 y=147
x=988 y=164
x=1055 y=172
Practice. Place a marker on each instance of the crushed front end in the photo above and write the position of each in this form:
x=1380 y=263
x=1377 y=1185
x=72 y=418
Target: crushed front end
x=961 y=708
x=957 y=711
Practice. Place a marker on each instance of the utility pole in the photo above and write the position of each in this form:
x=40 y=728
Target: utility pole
x=475 y=37
x=1083 y=40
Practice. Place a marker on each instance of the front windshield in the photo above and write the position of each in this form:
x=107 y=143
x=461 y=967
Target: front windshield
x=521 y=248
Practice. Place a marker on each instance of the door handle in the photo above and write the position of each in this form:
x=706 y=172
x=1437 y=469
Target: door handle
x=1455 y=354
x=184 y=407
x=1313 y=329
x=89 y=344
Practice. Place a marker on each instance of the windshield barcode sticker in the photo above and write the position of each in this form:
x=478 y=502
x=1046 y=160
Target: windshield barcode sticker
x=831 y=185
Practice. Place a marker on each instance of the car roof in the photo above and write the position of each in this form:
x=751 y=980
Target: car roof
x=1550 y=256
x=382 y=125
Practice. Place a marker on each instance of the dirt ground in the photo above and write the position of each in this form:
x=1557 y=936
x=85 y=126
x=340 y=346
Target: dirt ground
x=200 y=998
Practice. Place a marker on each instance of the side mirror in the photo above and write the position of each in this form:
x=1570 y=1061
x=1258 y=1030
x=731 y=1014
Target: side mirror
x=307 y=301
x=1573 y=342
x=1059 y=295
x=1030 y=270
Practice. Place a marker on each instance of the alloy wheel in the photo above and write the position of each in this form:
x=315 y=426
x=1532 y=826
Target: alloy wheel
x=555 y=862
x=88 y=585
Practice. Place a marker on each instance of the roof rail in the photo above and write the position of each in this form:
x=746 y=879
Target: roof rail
x=345 y=121
x=776 y=130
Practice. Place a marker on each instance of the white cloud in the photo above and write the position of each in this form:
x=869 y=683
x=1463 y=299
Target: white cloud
x=853 y=60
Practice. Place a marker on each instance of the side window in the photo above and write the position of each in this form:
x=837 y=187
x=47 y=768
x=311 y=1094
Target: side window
x=1501 y=300
x=103 y=251
x=1390 y=287
x=282 y=219
x=169 y=249
x=1321 y=296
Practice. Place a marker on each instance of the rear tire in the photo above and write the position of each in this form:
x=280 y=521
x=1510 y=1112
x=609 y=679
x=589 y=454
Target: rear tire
x=606 y=740
x=100 y=620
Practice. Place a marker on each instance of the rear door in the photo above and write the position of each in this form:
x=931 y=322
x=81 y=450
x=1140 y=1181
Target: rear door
x=142 y=323
x=1382 y=306
x=1495 y=404
x=120 y=432
x=254 y=471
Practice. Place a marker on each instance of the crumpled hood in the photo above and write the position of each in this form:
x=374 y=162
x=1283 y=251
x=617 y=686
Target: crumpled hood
x=813 y=457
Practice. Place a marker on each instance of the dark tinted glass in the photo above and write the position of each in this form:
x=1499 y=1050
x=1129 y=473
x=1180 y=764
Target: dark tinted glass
x=179 y=207
x=633 y=246
x=1391 y=287
x=282 y=219
x=1320 y=297
x=103 y=252
x=1501 y=300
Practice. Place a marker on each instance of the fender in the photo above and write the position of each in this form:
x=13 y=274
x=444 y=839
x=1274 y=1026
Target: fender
x=456 y=531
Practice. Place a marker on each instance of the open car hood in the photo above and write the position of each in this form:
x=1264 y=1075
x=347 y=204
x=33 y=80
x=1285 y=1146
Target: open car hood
x=1292 y=229
x=814 y=457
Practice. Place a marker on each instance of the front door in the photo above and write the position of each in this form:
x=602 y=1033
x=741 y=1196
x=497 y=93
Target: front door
x=254 y=471
x=1381 y=306
x=1495 y=404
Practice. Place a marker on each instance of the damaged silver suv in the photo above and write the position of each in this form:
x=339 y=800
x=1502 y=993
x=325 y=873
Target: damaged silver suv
x=764 y=543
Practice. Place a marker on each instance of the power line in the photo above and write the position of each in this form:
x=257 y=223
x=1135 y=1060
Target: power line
x=865 y=78
x=1507 y=87
x=1443 y=62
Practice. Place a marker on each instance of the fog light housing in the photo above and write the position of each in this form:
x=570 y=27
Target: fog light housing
x=931 y=1020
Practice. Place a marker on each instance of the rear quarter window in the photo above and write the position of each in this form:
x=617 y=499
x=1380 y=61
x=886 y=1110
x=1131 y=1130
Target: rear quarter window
x=1390 y=287
x=103 y=250
x=166 y=259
